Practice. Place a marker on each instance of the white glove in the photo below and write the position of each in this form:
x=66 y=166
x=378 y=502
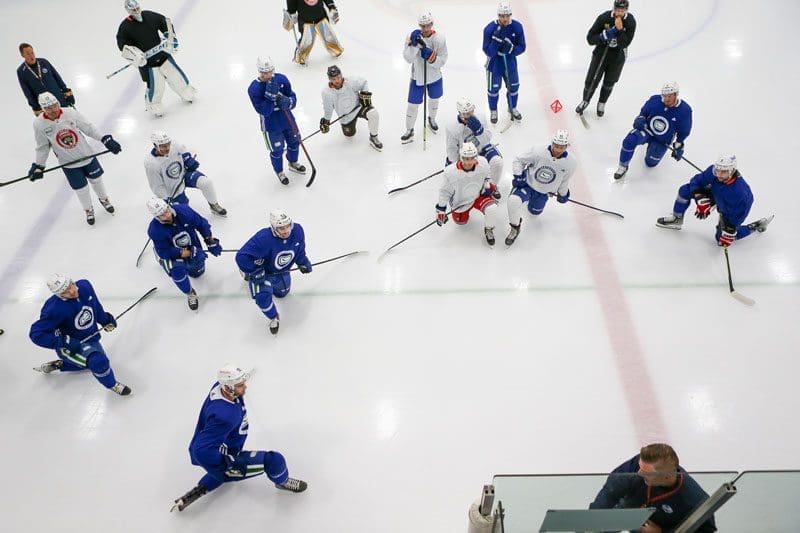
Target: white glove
x=134 y=55
x=335 y=15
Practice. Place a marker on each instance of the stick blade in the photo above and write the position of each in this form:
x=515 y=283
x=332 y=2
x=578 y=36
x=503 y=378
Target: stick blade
x=313 y=175
x=584 y=121
x=742 y=298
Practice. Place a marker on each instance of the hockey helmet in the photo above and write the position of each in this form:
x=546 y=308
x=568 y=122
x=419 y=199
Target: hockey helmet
x=561 y=138
x=46 y=99
x=160 y=138
x=468 y=151
x=264 y=64
x=134 y=9
x=504 y=8
x=465 y=106
x=231 y=375
x=279 y=219
x=670 y=87
x=621 y=4
x=334 y=71
x=58 y=283
x=725 y=162
x=157 y=207
x=425 y=19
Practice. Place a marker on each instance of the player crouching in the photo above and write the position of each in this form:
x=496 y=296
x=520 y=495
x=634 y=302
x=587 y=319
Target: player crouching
x=351 y=100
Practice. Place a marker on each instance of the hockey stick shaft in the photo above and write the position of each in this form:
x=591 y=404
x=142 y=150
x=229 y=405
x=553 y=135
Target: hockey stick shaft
x=596 y=77
x=162 y=46
x=741 y=297
x=3 y=184
x=296 y=132
x=424 y=104
x=671 y=149
x=118 y=71
x=416 y=182
x=596 y=208
x=134 y=304
x=340 y=117
x=331 y=259
x=139 y=257
x=420 y=230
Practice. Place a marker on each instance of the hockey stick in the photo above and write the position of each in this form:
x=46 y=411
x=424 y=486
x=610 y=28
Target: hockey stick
x=177 y=186
x=424 y=104
x=671 y=149
x=418 y=181
x=331 y=259
x=340 y=117
x=134 y=304
x=420 y=230
x=506 y=79
x=296 y=131
x=3 y=184
x=593 y=85
x=741 y=297
x=592 y=207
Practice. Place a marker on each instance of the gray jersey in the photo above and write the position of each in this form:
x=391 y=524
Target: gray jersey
x=411 y=54
x=458 y=133
x=165 y=173
x=543 y=172
x=66 y=135
x=343 y=100
x=460 y=187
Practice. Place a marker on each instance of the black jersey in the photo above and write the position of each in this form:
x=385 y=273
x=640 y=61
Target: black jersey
x=619 y=44
x=144 y=35
x=309 y=11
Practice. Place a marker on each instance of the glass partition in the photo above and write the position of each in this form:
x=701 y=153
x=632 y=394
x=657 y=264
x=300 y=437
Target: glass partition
x=765 y=501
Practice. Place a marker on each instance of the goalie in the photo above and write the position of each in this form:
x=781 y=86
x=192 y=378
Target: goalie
x=312 y=18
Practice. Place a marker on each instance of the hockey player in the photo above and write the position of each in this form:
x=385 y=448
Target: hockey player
x=219 y=438
x=468 y=127
x=467 y=186
x=265 y=260
x=174 y=232
x=36 y=75
x=312 y=17
x=539 y=174
x=65 y=131
x=665 y=121
x=426 y=50
x=503 y=41
x=170 y=168
x=610 y=35
x=141 y=43
x=273 y=99
x=68 y=324
x=345 y=96
x=723 y=186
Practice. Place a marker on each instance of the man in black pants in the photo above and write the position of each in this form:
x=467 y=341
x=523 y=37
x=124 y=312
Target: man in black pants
x=610 y=35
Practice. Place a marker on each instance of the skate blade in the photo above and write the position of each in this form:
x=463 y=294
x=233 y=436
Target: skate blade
x=668 y=227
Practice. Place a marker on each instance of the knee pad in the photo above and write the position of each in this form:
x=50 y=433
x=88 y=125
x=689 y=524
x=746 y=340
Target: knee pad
x=98 y=363
x=196 y=272
x=349 y=129
x=176 y=269
x=275 y=467
x=281 y=285
x=632 y=140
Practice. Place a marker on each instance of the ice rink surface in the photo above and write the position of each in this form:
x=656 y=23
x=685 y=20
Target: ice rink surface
x=398 y=388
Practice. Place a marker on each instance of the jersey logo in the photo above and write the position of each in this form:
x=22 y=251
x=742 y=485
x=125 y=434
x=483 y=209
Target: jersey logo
x=666 y=508
x=84 y=318
x=283 y=259
x=259 y=261
x=174 y=170
x=182 y=240
x=659 y=125
x=545 y=175
x=244 y=426
x=67 y=138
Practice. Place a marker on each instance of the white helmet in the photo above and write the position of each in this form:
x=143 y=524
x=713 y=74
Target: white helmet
x=561 y=138
x=231 y=375
x=467 y=150
x=425 y=18
x=47 y=99
x=264 y=64
x=725 y=162
x=134 y=9
x=160 y=137
x=58 y=283
x=465 y=106
x=157 y=206
x=279 y=219
x=504 y=8
x=671 y=87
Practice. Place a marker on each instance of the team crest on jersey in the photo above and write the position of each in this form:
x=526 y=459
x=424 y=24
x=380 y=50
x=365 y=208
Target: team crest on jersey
x=259 y=261
x=284 y=258
x=666 y=508
x=67 y=138
x=84 y=318
x=174 y=170
x=244 y=426
x=659 y=125
x=182 y=240
x=545 y=175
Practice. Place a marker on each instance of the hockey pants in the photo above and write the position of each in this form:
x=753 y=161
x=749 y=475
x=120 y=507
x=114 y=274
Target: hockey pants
x=249 y=464
x=525 y=195
x=181 y=269
x=277 y=285
x=276 y=142
x=499 y=73
x=655 y=148
x=308 y=34
x=195 y=180
x=81 y=177
x=373 y=121
x=93 y=357
x=415 y=97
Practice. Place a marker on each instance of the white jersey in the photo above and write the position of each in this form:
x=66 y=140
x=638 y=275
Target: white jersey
x=66 y=135
x=458 y=133
x=461 y=188
x=165 y=173
x=343 y=100
x=543 y=172
x=411 y=54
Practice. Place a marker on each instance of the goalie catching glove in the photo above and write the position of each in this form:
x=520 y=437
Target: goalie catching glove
x=134 y=55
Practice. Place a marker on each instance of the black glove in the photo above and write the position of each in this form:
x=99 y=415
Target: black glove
x=110 y=323
x=36 y=172
x=305 y=268
x=324 y=125
x=214 y=247
x=109 y=142
x=69 y=97
x=677 y=150
x=365 y=99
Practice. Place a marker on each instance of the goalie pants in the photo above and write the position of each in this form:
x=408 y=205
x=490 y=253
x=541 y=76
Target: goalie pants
x=308 y=34
x=92 y=357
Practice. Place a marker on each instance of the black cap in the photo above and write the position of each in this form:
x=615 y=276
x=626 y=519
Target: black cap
x=334 y=71
x=624 y=4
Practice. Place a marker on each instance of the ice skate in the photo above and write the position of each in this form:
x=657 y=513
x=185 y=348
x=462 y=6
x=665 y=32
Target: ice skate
x=489 y=234
x=275 y=324
x=121 y=389
x=621 y=170
x=50 y=366
x=218 y=210
x=407 y=137
x=192 y=300
x=583 y=105
x=292 y=485
x=493 y=116
x=282 y=178
x=601 y=109
x=106 y=203
x=90 y=217
x=375 y=142
x=190 y=497
x=760 y=225
x=433 y=125
x=513 y=234
x=297 y=167
x=670 y=222
x=515 y=115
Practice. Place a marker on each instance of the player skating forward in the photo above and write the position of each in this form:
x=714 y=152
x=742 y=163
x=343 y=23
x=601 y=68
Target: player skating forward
x=273 y=99
x=174 y=232
x=67 y=322
x=65 y=130
x=170 y=168
x=664 y=121
x=426 y=50
x=719 y=185
x=468 y=128
x=265 y=261
x=539 y=173
x=351 y=98
x=219 y=437
x=610 y=35
x=147 y=39
x=312 y=17
x=503 y=41
x=467 y=186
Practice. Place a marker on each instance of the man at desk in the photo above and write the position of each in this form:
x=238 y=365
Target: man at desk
x=661 y=483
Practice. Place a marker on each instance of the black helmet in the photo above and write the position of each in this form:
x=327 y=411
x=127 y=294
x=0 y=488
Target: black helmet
x=334 y=71
x=622 y=4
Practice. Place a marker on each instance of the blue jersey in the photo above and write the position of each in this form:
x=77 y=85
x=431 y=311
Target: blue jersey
x=497 y=60
x=221 y=430
x=667 y=123
x=272 y=116
x=77 y=318
x=169 y=239
x=733 y=199
x=273 y=254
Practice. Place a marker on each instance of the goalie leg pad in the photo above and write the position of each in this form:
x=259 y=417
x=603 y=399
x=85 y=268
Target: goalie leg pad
x=177 y=79
x=308 y=35
x=329 y=37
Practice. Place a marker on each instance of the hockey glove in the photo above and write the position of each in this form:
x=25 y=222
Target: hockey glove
x=334 y=15
x=563 y=199
x=441 y=215
x=609 y=34
x=519 y=181
x=497 y=33
x=704 y=206
x=365 y=99
x=324 y=125
x=304 y=268
x=488 y=188
x=256 y=276
x=71 y=344
x=214 y=247
x=726 y=238
x=234 y=469
x=189 y=163
x=677 y=151
x=36 y=172
x=110 y=323
x=415 y=38
x=285 y=102
x=109 y=142
x=640 y=123
x=426 y=53
x=175 y=45
x=507 y=47
x=271 y=90
x=69 y=97
x=474 y=125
